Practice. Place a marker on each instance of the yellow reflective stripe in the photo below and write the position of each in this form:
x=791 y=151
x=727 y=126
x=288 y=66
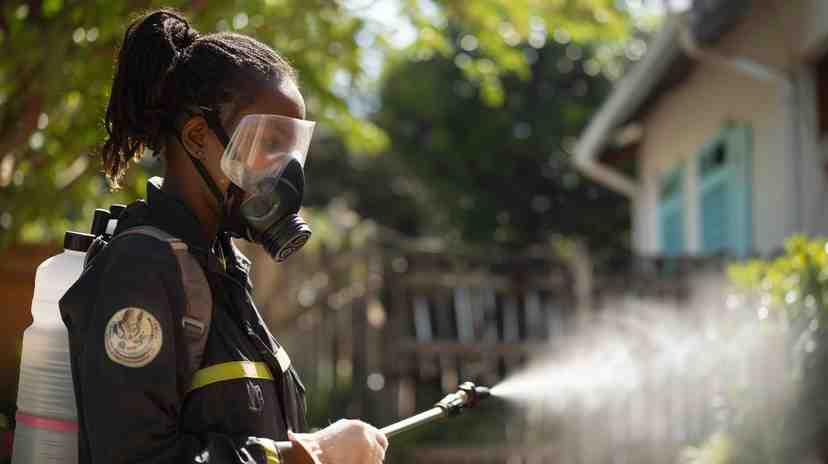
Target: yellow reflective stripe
x=272 y=457
x=230 y=371
x=271 y=452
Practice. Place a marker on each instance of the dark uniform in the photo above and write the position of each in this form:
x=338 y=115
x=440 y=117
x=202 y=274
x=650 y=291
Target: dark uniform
x=130 y=363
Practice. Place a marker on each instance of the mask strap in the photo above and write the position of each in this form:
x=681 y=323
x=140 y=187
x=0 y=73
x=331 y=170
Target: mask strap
x=213 y=120
x=205 y=176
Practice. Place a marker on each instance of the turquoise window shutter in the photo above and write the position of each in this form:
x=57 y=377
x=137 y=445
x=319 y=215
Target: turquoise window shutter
x=671 y=213
x=725 y=193
x=714 y=215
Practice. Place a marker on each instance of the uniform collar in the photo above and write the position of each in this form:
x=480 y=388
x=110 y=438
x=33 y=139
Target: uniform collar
x=171 y=214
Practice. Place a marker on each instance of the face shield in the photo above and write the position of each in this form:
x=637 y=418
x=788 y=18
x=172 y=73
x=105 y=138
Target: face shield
x=265 y=158
x=262 y=146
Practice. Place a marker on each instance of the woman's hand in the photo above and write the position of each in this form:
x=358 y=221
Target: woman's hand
x=345 y=442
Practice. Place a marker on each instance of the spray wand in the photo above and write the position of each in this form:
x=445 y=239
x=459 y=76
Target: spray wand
x=468 y=395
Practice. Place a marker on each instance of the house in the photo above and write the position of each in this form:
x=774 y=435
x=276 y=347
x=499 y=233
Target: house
x=718 y=135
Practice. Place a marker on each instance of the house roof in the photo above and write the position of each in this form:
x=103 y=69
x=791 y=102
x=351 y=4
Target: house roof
x=664 y=66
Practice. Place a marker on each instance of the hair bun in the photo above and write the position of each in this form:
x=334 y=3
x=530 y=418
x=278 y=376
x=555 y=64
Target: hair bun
x=181 y=33
x=173 y=26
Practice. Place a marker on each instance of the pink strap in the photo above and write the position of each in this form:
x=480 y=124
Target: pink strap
x=37 y=422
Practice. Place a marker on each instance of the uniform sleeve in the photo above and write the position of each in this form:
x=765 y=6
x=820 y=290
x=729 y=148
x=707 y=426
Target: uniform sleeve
x=130 y=371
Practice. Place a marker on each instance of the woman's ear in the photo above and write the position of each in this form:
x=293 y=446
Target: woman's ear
x=194 y=135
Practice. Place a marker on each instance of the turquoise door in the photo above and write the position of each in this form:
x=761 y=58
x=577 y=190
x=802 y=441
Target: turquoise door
x=725 y=193
x=671 y=213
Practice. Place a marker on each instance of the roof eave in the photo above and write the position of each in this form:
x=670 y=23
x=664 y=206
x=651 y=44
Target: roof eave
x=626 y=98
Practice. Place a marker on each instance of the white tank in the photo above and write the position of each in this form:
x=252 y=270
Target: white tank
x=46 y=430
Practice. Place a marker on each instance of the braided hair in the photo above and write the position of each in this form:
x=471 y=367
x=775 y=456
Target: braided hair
x=166 y=69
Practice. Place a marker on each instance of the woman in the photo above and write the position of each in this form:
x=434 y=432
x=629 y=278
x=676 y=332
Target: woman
x=152 y=378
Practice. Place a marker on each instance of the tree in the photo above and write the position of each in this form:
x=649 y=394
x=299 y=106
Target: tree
x=54 y=83
x=499 y=168
x=58 y=59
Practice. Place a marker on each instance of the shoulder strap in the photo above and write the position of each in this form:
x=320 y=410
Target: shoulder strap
x=198 y=311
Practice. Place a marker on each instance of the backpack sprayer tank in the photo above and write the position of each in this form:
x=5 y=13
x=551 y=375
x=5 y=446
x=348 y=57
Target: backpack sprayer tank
x=46 y=430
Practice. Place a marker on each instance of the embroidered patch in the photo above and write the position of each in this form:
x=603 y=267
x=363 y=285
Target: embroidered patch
x=133 y=337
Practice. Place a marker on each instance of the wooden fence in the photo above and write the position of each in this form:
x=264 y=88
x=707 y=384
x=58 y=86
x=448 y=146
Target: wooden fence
x=404 y=326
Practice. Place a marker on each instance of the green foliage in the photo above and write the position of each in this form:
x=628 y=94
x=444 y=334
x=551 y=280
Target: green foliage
x=502 y=174
x=794 y=283
x=58 y=60
x=54 y=83
x=787 y=419
x=499 y=28
x=379 y=188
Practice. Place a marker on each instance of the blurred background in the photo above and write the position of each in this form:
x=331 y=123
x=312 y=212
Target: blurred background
x=616 y=205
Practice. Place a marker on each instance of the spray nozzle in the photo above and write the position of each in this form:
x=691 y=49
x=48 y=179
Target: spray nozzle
x=468 y=395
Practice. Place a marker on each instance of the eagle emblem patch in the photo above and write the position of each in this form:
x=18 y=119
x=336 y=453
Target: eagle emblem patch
x=133 y=337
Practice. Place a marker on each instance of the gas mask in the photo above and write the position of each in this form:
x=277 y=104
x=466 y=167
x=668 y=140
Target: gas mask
x=264 y=160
